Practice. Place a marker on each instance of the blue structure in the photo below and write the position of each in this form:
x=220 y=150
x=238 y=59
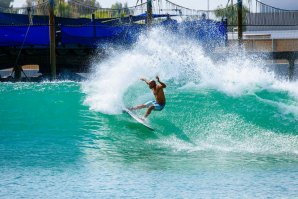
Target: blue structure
x=27 y=35
x=99 y=34
x=84 y=32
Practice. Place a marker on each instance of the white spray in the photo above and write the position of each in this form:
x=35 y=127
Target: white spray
x=180 y=60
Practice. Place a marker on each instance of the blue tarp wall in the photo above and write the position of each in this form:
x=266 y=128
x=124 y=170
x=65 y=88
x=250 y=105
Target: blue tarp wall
x=22 y=19
x=86 y=33
x=96 y=35
x=16 y=35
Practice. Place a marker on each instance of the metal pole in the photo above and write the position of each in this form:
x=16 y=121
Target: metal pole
x=232 y=4
x=291 y=68
x=149 y=13
x=225 y=21
x=208 y=8
x=52 y=39
x=94 y=26
x=233 y=23
x=240 y=25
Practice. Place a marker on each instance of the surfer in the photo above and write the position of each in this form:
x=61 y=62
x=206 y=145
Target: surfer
x=160 y=100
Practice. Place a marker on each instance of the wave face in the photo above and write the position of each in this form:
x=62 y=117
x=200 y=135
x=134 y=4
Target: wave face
x=235 y=105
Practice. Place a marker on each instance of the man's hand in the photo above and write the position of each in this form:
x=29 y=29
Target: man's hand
x=145 y=80
x=161 y=83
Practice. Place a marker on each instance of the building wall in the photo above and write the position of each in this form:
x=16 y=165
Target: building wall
x=275 y=45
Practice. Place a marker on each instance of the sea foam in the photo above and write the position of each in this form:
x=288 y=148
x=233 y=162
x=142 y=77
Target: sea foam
x=181 y=61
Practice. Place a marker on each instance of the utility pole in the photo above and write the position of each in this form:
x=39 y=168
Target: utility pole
x=149 y=13
x=52 y=39
x=240 y=25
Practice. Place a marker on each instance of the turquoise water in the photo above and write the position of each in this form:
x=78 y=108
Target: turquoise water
x=229 y=130
x=212 y=146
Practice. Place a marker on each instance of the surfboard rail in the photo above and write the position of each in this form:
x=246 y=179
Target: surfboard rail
x=137 y=118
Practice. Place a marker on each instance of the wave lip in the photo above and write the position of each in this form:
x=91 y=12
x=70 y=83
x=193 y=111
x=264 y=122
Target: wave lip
x=178 y=60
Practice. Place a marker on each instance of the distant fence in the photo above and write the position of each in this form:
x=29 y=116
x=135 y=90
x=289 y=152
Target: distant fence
x=77 y=9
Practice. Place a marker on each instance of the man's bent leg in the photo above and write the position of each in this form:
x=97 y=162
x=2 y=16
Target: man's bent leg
x=149 y=111
x=138 y=107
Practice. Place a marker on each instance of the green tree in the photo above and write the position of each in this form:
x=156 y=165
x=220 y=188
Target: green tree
x=6 y=3
x=30 y=3
x=117 y=6
x=82 y=8
x=62 y=9
x=38 y=11
x=120 y=10
x=231 y=13
x=92 y=3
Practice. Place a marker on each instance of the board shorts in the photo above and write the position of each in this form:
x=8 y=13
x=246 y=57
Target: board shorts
x=157 y=107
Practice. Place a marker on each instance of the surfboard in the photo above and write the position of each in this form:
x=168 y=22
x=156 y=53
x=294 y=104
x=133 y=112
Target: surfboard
x=139 y=120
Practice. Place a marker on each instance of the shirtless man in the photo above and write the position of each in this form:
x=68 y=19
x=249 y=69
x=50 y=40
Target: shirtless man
x=160 y=100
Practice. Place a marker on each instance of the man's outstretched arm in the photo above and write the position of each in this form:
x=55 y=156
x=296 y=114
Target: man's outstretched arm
x=145 y=80
x=161 y=83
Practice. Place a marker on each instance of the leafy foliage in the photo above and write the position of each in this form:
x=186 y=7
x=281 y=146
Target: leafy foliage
x=231 y=13
x=123 y=9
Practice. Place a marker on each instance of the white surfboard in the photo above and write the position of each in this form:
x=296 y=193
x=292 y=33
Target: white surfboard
x=139 y=120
